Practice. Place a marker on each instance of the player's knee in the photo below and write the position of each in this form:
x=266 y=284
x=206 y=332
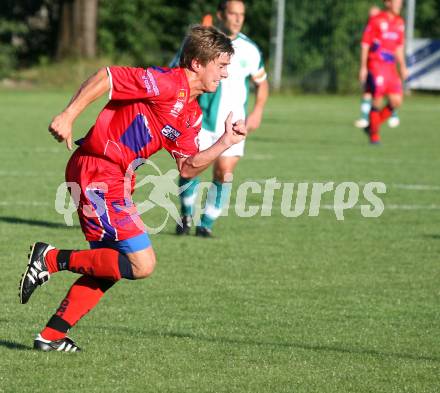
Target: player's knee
x=222 y=176
x=144 y=265
x=377 y=102
x=219 y=176
x=146 y=269
x=396 y=102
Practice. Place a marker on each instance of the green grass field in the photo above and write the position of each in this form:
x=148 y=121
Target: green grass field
x=272 y=304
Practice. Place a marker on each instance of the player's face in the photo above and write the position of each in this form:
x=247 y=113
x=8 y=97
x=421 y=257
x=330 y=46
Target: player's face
x=395 y=6
x=233 y=17
x=214 y=72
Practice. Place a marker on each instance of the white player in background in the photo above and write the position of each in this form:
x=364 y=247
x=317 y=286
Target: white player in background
x=232 y=96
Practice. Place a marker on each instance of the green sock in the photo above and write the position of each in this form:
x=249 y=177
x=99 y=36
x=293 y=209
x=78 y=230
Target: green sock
x=188 y=195
x=217 y=195
x=365 y=108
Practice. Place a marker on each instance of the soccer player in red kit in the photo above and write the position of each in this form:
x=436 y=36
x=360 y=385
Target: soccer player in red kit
x=382 y=47
x=148 y=109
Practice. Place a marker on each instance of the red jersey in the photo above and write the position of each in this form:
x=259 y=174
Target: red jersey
x=148 y=110
x=384 y=34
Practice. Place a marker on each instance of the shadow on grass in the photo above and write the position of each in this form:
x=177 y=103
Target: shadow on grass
x=268 y=139
x=14 y=346
x=311 y=347
x=293 y=345
x=192 y=235
x=433 y=236
x=37 y=223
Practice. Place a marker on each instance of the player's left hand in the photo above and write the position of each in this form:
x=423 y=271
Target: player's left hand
x=404 y=73
x=234 y=132
x=239 y=128
x=363 y=73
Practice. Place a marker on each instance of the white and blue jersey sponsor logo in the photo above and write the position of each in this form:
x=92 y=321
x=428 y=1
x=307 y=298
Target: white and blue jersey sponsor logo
x=170 y=133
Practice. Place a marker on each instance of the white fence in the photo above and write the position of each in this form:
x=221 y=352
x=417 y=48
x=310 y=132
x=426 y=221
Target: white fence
x=423 y=60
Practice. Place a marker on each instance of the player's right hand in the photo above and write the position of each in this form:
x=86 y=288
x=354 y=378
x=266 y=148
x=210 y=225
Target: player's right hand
x=404 y=73
x=363 y=73
x=61 y=129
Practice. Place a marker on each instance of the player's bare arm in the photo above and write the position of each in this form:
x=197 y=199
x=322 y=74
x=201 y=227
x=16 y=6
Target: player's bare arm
x=400 y=56
x=363 y=71
x=93 y=88
x=253 y=121
x=194 y=165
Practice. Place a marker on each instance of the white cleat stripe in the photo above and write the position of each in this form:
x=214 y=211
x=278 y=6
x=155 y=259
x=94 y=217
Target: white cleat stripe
x=30 y=277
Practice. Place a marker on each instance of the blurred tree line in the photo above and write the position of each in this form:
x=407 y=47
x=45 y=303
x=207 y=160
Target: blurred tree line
x=321 y=43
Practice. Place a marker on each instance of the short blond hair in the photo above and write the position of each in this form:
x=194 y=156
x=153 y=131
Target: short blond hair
x=204 y=44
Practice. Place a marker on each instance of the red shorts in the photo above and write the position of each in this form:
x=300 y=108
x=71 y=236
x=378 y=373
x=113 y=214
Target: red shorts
x=383 y=80
x=102 y=194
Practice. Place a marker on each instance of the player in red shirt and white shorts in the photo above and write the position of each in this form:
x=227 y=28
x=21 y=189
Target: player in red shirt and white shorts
x=148 y=109
x=382 y=47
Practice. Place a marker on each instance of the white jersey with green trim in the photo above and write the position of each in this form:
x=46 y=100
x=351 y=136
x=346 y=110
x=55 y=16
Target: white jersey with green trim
x=232 y=93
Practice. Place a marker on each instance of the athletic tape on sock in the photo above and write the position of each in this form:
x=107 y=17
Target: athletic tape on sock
x=58 y=323
x=63 y=258
x=125 y=267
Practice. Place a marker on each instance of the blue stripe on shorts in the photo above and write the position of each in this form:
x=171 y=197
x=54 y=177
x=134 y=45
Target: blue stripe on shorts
x=137 y=243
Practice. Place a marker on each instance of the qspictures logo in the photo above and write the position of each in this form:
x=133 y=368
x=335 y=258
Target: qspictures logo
x=160 y=191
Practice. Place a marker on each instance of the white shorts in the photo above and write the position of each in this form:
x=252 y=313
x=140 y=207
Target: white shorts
x=208 y=138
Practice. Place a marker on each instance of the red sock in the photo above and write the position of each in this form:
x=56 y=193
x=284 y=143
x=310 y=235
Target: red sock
x=385 y=113
x=100 y=263
x=375 y=121
x=84 y=295
x=52 y=334
x=103 y=263
x=51 y=261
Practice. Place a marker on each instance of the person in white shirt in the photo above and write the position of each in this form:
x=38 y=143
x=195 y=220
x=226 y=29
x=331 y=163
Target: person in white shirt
x=231 y=96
